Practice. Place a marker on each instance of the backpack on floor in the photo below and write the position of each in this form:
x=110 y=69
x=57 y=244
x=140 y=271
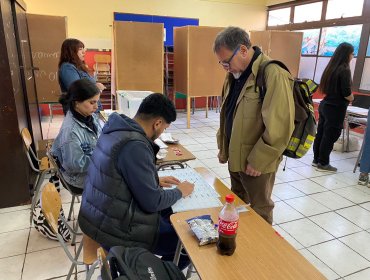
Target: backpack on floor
x=42 y=225
x=140 y=264
x=304 y=121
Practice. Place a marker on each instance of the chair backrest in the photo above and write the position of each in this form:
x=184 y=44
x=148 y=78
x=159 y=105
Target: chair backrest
x=27 y=139
x=101 y=67
x=54 y=163
x=104 y=265
x=90 y=248
x=102 y=58
x=50 y=205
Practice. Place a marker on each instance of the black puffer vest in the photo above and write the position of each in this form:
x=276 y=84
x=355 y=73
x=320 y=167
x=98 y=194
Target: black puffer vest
x=108 y=212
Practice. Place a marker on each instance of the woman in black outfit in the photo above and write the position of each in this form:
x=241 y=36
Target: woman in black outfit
x=335 y=84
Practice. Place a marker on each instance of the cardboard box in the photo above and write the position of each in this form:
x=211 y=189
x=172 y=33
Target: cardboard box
x=129 y=101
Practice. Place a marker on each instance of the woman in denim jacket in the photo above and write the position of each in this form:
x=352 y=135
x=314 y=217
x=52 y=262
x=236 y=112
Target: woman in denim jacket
x=74 y=145
x=72 y=66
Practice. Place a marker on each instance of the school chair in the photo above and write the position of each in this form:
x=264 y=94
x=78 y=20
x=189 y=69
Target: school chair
x=51 y=204
x=105 y=273
x=43 y=167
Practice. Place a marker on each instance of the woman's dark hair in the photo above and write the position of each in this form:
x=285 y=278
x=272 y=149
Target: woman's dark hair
x=68 y=53
x=157 y=105
x=339 y=62
x=79 y=90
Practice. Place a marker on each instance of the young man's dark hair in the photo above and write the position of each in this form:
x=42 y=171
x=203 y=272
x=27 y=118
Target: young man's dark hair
x=157 y=105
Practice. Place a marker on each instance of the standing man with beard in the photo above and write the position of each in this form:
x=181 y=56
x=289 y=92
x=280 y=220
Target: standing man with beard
x=253 y=134
x=124 y=202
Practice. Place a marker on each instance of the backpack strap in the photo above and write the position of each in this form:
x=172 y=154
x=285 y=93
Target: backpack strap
x=261 y=76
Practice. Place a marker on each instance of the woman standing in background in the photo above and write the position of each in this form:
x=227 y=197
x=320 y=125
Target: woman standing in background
x=72 y=67
x=335 y=84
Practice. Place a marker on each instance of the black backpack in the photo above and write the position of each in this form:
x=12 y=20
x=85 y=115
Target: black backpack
x=140 y=264
x=304 y=121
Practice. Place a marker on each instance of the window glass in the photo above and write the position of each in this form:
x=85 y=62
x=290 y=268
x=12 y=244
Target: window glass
x=308 y=12
x=344 y=8
x=322 y=62
x=310 y=41
x=279 y=17
x=331 y=37
x=307 y=67
x=368 y=48
x=320 y=67
x=365 y=80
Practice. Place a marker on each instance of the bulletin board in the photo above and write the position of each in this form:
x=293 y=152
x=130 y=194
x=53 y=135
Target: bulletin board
x=46 y=53
x=138 y=56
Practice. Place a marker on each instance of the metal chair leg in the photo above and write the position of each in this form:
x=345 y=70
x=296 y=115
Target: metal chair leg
x=71 y=208
x=359 y=155
x=189 y=271
x=74 y=264
x=75 y=228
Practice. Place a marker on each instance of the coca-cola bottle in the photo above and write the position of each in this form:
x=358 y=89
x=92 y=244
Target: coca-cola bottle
x=228 y=221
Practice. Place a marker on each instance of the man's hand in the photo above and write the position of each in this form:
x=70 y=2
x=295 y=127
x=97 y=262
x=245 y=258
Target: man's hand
x=186 y=188
x=168 y=181
x=251 y=171
x=220 y=160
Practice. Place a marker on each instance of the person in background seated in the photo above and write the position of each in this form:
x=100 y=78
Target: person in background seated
x=72 y=67
x=124 y=202
x=335 y=84
x=365 y=157
x=76 y=140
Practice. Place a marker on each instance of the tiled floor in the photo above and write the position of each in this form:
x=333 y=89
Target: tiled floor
x=325 y=217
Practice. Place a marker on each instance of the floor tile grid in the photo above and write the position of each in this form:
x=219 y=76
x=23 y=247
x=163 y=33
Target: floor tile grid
x=200 y=135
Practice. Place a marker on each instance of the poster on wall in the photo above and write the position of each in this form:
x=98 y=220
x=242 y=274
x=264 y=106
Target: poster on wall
x=331 y=37
x=310 y=41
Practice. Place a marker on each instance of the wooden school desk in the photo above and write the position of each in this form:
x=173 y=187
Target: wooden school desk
x=176 y=152
x=261 y=253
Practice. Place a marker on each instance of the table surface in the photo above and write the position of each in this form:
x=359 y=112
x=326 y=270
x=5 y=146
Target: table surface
x=261 y=253
x=176 y=152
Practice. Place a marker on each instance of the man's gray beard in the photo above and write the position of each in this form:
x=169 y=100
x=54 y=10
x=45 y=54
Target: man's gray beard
x=237 y=75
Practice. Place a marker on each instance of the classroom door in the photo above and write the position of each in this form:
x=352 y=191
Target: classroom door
x=27 y=73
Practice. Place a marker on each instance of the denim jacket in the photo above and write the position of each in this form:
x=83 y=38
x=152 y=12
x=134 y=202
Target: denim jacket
x=68 y=73
x=74 y=147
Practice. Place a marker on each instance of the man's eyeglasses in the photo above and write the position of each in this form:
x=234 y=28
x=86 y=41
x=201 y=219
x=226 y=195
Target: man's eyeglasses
x=226 y=64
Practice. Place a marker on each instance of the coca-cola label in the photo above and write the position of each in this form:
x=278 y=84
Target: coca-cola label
x=227 y=227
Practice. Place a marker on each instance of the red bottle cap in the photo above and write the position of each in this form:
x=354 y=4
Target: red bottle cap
x=229 y=198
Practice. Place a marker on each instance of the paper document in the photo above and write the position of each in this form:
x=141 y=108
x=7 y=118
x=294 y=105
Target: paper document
x=203 y=196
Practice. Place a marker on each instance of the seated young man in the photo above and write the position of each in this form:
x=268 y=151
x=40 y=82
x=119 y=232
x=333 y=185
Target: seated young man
x=123 y=202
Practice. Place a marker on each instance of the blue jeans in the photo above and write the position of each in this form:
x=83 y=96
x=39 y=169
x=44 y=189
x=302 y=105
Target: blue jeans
x=365 y=158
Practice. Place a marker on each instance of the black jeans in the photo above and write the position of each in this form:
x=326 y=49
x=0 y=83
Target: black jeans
x=331 y=118
x=167 y=241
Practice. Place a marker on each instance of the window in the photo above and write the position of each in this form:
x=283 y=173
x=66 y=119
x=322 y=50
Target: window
x=279 y=17
x=331 y=37
x=344 y=8
x=368 y=48
x=365 y=80
x=307 y=67
x=310 y=41
x=308 y=12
